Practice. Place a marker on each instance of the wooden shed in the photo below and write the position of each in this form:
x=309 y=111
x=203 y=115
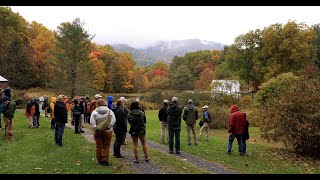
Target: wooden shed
x=3 y=82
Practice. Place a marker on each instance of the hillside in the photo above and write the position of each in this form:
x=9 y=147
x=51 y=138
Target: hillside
x=166 y=50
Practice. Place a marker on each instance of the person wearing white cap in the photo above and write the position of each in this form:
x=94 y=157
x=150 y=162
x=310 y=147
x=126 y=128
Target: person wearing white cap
x=162 y=115
x=206 y=119
x=97 y=96
x=190 y=115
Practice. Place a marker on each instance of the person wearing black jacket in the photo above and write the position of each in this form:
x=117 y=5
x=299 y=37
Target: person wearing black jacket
x=60 y=118
x=162 y=115
x=120 y=128
x=76 y=113
x=174 y=124
x=36 y=115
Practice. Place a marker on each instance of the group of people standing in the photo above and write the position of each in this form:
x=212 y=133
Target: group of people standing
x=170 y=116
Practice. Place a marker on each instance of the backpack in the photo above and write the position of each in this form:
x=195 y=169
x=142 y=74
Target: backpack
x=49 y=109
x=76 y=112
x=104 y=125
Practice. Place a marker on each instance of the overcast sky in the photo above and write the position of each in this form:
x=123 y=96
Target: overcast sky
x=143 y=25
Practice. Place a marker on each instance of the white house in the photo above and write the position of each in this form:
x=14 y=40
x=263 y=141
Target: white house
x=229 y=87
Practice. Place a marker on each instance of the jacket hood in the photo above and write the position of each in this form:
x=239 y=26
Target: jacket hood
x=136 y=112
x=53 y=99
x=234 y=108
x=173 y=105
x=190 y=106
x=102 y=109
x=110 y=98
x=18 y=101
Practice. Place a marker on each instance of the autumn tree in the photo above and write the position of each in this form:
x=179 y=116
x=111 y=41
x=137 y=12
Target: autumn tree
x=42 y=43
x=73 y=47
x=140 y=81
x=205 y=79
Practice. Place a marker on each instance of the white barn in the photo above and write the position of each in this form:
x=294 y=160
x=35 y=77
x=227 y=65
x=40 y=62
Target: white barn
x=229 y=87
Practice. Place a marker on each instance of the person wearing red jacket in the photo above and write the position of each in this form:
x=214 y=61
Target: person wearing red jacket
x=236 y=128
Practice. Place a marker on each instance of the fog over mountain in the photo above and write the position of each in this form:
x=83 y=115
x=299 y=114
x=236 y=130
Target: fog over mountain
x=166 y=50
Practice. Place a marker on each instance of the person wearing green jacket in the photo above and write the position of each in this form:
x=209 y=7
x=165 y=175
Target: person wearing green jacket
x=190 y=115
x=8 y=115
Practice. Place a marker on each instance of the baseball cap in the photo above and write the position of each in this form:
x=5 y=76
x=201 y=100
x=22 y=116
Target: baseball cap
x=175 y=99
x=190 y=101
x=97 y=96
x=205 y=107
x=165 y=101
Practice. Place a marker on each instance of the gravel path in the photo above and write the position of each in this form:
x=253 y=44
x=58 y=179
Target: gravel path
x=152 y=168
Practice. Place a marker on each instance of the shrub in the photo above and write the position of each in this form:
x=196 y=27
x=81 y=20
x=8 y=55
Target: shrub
x=220 y=117
x=275 y=86
x=292 y=117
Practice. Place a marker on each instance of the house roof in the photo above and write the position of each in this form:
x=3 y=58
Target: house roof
x=2 y=79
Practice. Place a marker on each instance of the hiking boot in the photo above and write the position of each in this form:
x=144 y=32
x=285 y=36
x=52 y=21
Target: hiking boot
x=120 y=156
x=189 y=143
x=147 y=160
x=229 y=153
x=171 y=151
x=196 y=143
x=136 y=161
x=177 y=152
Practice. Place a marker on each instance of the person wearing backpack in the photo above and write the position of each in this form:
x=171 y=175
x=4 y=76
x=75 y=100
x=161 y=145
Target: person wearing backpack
x=102 y=120
x=76 y=112
x=207 y=119
x=8 y=115
x=137 y=121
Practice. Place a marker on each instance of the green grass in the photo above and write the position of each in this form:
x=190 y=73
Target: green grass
x=263 y=157
x=34 y=152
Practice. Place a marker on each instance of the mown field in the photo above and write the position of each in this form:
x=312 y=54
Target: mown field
x=263 y=157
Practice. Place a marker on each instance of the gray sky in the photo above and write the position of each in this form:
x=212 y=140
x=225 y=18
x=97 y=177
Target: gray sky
x=143 y=25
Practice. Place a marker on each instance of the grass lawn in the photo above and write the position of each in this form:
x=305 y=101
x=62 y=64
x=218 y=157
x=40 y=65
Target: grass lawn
x=263 y=157
x=34 y=152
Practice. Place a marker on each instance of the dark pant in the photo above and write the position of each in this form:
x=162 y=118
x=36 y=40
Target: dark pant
x=0 y=120
x=244 y=146
x=239 y=139
x=38 y=120
x=174 y=132
x=118 y=143
x=59 y=133
x=76 y=123
x=52 y=123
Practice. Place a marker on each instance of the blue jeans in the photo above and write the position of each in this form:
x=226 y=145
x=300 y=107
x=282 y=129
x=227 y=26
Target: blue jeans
x=59 y=130
x=240 y=143
x=174 y=132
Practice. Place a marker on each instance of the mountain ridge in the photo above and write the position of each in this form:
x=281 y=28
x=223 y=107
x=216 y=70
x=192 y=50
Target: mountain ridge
x=166 y=50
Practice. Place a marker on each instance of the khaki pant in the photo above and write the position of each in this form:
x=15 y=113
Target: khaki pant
x=30 y=121
x=8 y=128
x=103 y=140
x=205 y=128
x=189 y=128
x=164 y=131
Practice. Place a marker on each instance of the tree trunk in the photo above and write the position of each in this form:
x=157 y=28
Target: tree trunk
x=73 y=82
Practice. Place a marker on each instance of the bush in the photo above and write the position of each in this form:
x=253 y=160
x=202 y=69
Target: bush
x=275 y=86
x=220 y=117
x=292 y=117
